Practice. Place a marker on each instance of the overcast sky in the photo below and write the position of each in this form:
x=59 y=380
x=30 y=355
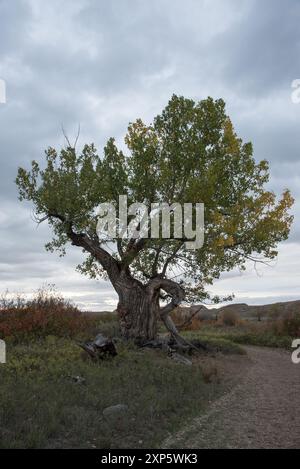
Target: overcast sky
x=105 y=63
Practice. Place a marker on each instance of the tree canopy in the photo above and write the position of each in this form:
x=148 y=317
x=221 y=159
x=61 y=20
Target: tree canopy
x=189 y=154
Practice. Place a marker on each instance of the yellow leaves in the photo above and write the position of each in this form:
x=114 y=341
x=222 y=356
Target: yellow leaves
x=287 y=200
x=230 y=241
x=224 y=241
x=266 y=198
x=232 y=143
x=140 y=136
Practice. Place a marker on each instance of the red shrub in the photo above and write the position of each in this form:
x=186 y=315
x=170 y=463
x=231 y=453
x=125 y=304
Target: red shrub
x=46 y=314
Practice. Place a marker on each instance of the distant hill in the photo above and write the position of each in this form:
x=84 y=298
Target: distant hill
x=243 y=310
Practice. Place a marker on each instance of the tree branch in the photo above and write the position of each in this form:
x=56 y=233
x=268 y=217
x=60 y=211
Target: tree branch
x=109 y=264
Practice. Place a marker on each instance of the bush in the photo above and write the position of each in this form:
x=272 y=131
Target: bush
x=288 y=326
x=46 y=314
x=229 y=318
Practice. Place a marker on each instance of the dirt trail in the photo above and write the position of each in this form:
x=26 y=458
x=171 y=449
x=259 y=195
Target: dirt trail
x=263 y=411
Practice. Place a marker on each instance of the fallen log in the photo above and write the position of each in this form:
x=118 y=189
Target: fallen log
x=100 y=348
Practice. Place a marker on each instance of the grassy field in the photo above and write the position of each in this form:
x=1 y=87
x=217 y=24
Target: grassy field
x=53 y=396
x=273 y=332
x=42 y=404
x=243 y=335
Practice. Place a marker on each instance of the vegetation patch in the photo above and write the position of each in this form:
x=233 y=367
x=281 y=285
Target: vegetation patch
x=245 y=333
x=52 y=396
x=214 y=343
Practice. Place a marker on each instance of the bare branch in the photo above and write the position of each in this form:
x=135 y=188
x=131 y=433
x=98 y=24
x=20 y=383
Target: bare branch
x=66 y=137
x=77 y=136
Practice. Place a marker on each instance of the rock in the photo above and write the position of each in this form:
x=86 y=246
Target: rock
x=114 y=411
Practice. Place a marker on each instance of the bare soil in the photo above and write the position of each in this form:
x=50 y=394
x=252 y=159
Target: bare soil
x=261 y=411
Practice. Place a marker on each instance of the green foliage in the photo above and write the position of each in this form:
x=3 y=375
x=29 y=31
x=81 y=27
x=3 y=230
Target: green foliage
x=190 y=153
x=215 y=343
x=268 y=334
x=263 y=339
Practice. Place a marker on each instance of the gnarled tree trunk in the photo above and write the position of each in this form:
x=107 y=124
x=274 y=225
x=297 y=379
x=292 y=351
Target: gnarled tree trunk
x=139 y=310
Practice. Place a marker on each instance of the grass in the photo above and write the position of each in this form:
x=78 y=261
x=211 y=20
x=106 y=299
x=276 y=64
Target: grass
x=42 y=406
x=264 y=339
x=244 y=334
x=276 y=330
x=215 y=343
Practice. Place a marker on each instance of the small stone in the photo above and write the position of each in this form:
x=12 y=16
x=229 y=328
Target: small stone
x=115 y=410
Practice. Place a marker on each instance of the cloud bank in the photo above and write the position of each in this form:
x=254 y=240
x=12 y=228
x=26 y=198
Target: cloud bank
x=103 y=64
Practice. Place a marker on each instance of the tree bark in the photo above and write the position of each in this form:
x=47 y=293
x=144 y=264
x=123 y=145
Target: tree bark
x=137 y=309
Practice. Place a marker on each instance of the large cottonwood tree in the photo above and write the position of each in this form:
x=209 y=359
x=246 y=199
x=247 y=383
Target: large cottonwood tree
x=190 y=153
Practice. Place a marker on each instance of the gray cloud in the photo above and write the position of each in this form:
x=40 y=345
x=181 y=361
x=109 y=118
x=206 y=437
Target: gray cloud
x=103 y=64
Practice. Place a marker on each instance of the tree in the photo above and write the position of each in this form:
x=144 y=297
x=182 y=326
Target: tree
x=189 y=154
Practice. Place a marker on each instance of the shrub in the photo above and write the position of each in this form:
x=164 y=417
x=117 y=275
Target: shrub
x=288 y=326
x=46 y=314
x=186 y=320
x=229 y=318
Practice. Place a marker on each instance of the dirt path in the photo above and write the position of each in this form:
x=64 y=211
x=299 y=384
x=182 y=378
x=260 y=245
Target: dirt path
x=263 y=411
